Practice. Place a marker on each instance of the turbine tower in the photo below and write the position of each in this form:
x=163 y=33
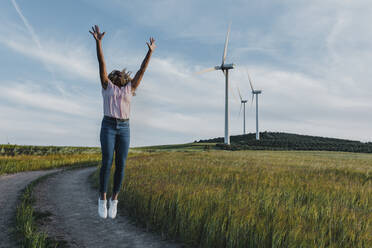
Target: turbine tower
x=255 y=92
x=225 y=69
x=242 y=103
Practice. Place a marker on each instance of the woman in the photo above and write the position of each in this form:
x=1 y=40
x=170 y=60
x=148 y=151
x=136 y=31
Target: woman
x=117 y=90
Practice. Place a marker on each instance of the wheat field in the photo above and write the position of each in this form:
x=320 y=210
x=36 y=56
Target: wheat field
x=252 y=198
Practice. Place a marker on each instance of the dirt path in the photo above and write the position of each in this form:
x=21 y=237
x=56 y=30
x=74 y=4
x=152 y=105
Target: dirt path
x=73 y=203
x=10 y=187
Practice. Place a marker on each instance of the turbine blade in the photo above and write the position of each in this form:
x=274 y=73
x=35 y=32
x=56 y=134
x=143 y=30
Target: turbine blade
x=250 y=80
x=240 y=110
x=206 y=70
x=226 y=43
x=252 y=99
x=240 y=96
x=232 y=86
x=231 y=89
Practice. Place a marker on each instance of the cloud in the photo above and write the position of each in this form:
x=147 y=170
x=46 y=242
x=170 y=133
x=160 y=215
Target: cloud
x=68 y=59
x=171 y=99
x=311 y=59
x=31 y=95
x=22 y=125
x=33 y=114
x=35 y=38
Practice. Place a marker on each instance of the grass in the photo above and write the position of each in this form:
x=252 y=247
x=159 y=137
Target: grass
x=26 y=228
x=178 y=147
x=252 y=198
x=209 y=198
x=17 y=158
x=12 y=150
x=14 y=164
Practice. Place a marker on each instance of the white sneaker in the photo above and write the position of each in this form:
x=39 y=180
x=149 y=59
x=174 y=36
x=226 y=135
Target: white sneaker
x=102 y=208
x=113 y=209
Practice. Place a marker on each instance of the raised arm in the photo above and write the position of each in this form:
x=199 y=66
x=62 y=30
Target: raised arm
x=138 y=77
x=101 y=61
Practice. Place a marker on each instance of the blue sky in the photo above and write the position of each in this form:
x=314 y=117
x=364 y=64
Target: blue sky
x=311 y=59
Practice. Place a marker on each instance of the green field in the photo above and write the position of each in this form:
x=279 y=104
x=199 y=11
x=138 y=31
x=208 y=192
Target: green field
x=252 y=198
x=178 y=147
x=214 y=198
x=14 y=158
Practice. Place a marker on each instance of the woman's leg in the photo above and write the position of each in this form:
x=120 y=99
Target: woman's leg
x=107 y=138
x=121 y=154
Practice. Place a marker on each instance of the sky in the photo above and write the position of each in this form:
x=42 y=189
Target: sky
x=311 y=59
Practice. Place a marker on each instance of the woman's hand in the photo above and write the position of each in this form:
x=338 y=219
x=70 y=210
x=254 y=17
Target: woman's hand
x=96 y=34
x=151 y=45
x=101 y=61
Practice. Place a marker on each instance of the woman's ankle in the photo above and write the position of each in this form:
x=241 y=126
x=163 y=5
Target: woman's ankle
x=102 y=196
x=114 y=196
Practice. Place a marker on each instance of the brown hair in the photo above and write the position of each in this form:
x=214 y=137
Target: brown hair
x=120 y=78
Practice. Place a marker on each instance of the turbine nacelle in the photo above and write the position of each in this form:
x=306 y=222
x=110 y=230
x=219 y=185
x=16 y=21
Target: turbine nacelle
x=222 y=67
x=227 y=66
x=256 y=91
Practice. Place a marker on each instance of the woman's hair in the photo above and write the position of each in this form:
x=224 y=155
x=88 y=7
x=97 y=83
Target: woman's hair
x=120 y=78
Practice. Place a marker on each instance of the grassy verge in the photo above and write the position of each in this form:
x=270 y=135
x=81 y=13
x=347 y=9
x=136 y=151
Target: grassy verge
x=27 y=219
x=252 y=198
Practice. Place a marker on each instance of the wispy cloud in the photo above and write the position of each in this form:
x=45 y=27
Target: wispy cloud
x=32 y=96
x=66 y=59
x=30 y=29
x=34 y=37
x=21 y=125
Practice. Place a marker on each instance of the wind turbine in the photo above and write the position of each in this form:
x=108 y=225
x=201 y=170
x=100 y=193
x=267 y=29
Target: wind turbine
x=255 y=92
x=242 y=103
x=225 y=69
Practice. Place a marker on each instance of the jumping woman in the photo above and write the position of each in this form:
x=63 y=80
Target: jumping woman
x=117 y=90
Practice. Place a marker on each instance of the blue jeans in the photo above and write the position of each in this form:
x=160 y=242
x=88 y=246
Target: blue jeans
x=114 y=136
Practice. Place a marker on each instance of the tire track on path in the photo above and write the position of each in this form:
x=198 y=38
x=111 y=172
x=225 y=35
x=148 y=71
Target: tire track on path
x=10 y=187
x=72 y=201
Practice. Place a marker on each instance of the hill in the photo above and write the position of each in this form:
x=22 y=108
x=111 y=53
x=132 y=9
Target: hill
x=289 y=141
